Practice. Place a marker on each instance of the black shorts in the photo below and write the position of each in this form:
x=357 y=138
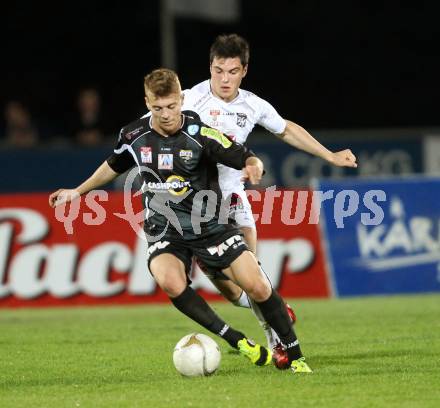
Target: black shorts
x=217 y=251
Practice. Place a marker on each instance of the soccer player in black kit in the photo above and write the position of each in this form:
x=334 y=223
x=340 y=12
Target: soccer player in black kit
x=176 y=155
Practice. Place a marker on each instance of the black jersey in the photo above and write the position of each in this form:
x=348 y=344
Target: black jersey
x=179 y=174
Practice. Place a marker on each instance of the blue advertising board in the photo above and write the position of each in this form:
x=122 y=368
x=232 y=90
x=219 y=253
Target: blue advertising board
x=48 y=169
x=289 y=167
x=382 y=236
x=45 y=169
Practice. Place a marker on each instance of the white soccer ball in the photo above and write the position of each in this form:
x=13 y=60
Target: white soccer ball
x=196 y=354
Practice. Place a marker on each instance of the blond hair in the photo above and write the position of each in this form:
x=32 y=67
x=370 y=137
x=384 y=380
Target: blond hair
x=162 y=82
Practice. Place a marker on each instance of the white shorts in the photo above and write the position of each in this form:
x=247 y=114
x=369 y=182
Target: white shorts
x=240 y=209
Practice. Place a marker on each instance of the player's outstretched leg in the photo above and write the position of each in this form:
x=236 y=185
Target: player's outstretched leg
x=170 y=274
x=239 y=297
x=245 y=271
x=195 y=307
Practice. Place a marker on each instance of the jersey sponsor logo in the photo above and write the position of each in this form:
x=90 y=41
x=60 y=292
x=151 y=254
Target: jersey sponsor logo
x=165 y=161
x=175 y=185
x=146 y=154
x=179 y=185
x=214 y=113
x=233 y=242
x=193 y=129
x=241 y=119
x=156 y=246
x=186 y=155
x=217 y=136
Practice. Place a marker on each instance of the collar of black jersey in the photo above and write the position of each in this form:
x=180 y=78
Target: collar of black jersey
x=183 y=116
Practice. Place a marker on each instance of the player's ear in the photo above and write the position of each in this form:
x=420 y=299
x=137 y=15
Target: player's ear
x=245 y=69
x=147 y=102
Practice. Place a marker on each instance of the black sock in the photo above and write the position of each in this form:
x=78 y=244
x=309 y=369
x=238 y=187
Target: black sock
x=275 y=313
x=194 y=306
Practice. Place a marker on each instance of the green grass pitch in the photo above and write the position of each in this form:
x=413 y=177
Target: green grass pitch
x=365 y=352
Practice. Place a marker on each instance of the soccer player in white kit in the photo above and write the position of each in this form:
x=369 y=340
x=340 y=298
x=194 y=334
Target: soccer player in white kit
x=221 y=104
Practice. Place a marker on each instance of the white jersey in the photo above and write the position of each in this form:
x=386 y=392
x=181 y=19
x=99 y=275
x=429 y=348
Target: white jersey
x=235 y=119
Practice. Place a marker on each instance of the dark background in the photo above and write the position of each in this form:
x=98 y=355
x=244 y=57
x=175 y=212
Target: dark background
x=323 y=64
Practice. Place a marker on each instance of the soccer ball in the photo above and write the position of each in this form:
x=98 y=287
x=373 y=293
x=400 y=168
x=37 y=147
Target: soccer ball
x=196 y=354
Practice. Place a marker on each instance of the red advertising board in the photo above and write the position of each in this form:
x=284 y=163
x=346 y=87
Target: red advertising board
x=99 y=259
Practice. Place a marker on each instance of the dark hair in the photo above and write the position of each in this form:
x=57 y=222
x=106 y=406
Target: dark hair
x=162 y=82
x=230 y=46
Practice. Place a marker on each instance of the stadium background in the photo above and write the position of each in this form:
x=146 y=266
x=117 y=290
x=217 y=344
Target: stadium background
x=357 y=76
x=363 y=76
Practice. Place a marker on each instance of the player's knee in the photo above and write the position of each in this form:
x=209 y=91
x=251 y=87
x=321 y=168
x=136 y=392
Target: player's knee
x=173 y=288
x=170 y=282
x=259 y=290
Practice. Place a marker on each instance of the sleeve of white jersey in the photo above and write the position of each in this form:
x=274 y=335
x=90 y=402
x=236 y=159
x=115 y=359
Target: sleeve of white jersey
x=188 y=100
x=269 y=118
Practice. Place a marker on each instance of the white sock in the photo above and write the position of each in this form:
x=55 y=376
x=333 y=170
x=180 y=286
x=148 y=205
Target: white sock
x=242 y=301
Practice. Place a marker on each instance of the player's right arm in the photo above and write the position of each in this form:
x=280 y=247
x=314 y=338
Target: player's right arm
x=119 y=162
x=296 y=136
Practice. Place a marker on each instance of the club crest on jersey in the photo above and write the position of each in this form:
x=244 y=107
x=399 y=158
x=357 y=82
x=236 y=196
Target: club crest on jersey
x=146 y=154
x=236 y=202
x=193 y=129
x=214 y=113
x=186 y=155
x=165 y=161
x=241 y=119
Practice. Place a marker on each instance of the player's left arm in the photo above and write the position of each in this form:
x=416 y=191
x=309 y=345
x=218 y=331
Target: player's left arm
x=299 y=138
